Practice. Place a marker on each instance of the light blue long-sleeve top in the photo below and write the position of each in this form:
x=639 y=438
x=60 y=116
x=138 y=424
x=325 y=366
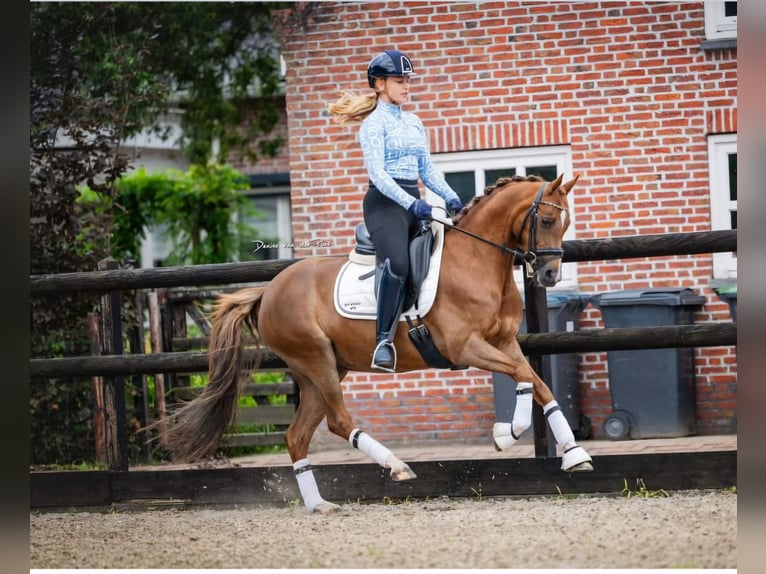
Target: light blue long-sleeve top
x=394 y=145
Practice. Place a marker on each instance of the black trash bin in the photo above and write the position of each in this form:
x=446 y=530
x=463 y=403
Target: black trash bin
x=729 y=294
x=564 y=310
x=652 y=390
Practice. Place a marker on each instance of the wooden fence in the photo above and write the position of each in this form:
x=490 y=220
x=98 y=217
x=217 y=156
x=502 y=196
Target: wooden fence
x=113 y=365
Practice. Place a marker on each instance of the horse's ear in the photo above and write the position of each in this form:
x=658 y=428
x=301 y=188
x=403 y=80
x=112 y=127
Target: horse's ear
x=554 y=185
x=570 y=184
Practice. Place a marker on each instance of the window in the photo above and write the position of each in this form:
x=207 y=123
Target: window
x=470 y=172
x=269 y=219
x=722 y=156
x=720 y=19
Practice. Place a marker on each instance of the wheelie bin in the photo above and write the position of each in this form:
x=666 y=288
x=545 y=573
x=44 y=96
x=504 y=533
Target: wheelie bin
x=652 y=390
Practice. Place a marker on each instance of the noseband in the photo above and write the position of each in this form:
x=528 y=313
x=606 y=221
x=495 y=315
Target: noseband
x=530 y=256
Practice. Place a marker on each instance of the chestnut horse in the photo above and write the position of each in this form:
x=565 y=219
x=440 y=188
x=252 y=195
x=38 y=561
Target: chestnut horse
x=474 y=321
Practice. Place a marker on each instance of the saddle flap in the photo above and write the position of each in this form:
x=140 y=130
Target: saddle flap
x=421 y=248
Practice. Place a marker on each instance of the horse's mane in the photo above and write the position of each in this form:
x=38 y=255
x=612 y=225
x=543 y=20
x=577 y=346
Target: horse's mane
x=501 y=182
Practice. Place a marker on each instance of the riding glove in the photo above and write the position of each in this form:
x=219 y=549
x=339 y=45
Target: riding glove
x=420 y=209
x=455 y=205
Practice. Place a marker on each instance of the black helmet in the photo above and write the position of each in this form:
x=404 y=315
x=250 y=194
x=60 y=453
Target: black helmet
x=388 y=63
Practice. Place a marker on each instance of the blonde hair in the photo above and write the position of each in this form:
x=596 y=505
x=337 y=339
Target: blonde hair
x=351 y=107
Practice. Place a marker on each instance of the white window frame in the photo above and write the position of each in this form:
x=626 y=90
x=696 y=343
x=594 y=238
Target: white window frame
x=717 y=25
x=283 y=221
x=520 y=159
x=721 y=206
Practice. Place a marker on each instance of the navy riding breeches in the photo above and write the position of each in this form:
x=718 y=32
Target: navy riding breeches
x=390 y=226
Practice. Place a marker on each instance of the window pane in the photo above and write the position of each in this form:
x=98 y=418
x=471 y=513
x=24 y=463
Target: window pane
x=464 y=184
x=261 y=240
x=734 y=220
x=547 y=172
x=733 y=176
x=492 y=175
x=729 y=9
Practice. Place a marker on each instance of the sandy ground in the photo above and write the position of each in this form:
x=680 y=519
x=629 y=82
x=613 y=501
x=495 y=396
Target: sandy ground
x=689 y=529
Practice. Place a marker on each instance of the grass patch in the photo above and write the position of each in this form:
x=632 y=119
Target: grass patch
x=642 y=491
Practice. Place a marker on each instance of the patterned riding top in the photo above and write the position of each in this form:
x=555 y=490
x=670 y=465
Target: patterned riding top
x=395 y=146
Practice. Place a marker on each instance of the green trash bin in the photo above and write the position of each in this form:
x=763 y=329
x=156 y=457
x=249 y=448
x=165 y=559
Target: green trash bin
x=562 y=370
x=729 y=295
x=652 y=390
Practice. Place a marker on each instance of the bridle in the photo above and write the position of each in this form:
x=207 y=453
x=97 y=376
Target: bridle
x=532 y=254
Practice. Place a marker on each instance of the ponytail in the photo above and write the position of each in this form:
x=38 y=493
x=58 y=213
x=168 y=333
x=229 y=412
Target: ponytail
x=352 y=107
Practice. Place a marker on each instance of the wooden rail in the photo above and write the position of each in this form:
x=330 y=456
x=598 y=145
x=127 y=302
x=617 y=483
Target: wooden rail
x=582 y=341
x=257 y=271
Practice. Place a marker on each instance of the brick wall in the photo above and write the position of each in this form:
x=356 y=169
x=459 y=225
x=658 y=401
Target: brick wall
x=626 y=85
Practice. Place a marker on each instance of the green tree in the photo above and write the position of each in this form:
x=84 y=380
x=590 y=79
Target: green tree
x=99 y=73
x=197 y=211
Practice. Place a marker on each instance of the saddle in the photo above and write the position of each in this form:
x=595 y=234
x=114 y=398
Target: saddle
x=421 y=248
x=350 y=293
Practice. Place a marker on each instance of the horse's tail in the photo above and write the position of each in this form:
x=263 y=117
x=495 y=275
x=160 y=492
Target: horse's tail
x=198 y=427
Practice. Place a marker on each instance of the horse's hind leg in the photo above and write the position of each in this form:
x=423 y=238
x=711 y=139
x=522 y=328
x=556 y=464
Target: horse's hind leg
x=320 y=397
x=310 y=413
x=340 y=423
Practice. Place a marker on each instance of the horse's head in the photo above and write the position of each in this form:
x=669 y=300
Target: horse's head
x=539 y=230
x=536 y=215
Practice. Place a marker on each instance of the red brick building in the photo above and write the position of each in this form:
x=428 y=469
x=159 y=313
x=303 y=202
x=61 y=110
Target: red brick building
x=639 y=98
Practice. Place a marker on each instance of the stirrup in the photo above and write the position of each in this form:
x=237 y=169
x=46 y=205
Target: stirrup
x=374 y=365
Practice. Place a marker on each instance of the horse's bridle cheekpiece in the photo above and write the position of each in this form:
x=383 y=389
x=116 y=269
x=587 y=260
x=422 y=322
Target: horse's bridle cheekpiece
x=530 y=256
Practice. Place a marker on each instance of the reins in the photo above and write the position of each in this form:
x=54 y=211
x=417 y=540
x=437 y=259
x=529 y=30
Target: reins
x=499 y=246
x=529 y=257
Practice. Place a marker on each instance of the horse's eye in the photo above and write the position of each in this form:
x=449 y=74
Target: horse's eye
x=547 y=222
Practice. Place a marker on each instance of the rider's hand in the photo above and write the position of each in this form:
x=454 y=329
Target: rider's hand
x=420 y=209
x=455 y=205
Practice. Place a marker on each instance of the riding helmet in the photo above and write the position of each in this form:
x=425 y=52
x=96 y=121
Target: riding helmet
x=388 y=63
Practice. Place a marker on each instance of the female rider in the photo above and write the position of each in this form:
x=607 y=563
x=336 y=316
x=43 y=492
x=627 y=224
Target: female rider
x=395 y=150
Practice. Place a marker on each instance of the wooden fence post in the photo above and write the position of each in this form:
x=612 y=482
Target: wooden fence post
x=115 y=419
x=155 y=337
x=97 y=383
x=536 y=302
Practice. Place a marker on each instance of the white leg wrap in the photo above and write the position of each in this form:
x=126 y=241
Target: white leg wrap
x=307 y=484
x=573 y=455
x=506 y=434
x=367 y=444
x=559 y=425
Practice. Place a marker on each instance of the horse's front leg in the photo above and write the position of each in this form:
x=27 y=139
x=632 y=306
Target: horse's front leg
x=529 y=385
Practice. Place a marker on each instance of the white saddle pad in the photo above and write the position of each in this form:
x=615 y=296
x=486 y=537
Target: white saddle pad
x=355 y=297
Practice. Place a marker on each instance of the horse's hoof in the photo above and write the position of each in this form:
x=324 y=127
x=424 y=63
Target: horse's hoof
x=576 y=460
x=582 y=467
x=403 y=473
x=325 y=507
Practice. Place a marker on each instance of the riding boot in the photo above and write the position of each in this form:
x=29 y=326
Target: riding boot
x=390 y=301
